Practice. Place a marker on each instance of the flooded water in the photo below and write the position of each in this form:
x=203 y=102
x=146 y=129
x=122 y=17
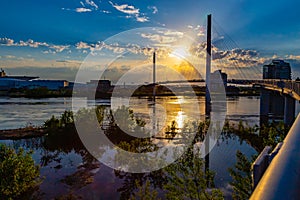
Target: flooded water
x=66 y=162
x=19 y=112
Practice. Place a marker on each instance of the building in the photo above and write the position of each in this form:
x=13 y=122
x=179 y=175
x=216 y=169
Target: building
x=49 y=84
x=103 y=89
x=8 y=83
x=278 y=69
x=101 y=85
x=29 y=82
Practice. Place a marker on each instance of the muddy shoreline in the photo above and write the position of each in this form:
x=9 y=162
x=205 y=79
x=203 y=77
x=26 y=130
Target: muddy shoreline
x=22 y=133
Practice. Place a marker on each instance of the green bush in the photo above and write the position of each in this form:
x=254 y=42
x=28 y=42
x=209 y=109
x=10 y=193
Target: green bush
x=65 y=121
x=18 y=173
x=52 y=124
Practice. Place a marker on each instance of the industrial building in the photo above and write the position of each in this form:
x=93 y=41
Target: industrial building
x=29 y=82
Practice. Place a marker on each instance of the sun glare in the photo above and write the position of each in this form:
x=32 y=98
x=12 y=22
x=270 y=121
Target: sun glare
x=180 y=52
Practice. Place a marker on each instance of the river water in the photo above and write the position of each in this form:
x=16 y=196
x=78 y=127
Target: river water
x=20 y=112
x=57 y=163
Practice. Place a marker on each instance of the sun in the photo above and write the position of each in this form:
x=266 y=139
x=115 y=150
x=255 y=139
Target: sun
x=180 y=52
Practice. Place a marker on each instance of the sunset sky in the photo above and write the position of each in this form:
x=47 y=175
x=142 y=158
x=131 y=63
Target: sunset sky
x=51 y=39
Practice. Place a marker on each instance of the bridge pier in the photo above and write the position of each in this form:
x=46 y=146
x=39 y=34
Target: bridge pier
x=275 y=106
x=272 y=106
x=289 y=110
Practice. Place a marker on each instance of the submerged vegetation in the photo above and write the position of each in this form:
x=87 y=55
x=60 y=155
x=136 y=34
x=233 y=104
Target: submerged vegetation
x=186 y=178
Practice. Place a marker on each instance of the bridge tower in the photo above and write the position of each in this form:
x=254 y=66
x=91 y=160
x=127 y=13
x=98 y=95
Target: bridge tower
x=208 y=68
x=207 y=91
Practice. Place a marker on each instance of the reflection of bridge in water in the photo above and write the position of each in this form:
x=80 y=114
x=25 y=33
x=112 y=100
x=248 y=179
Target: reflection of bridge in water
x=278 y=97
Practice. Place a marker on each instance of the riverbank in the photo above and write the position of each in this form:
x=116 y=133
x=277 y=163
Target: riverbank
x=22 y=133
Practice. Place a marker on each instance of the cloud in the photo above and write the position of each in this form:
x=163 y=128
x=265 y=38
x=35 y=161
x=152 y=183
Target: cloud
x=172 y=33
x=87 y=6
x=163 y=37
x=68 y=9
x=118 y=49
x=82 y=45
x=91 y=3
x=235 y=54
x=198 y=29
x=293 y=57
x=153 y=9
x=142 y=19
x=131 y=11
x=49 y=52
x=125 y=8
x=59 y=48
x=105 y=11
x=81 y=10
x=33 y=44
x=6 y=41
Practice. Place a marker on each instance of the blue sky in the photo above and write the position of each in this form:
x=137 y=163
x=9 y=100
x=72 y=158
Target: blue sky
x=52 y=38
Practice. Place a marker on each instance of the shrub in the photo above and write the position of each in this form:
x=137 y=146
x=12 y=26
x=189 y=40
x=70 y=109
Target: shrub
x=18 y=173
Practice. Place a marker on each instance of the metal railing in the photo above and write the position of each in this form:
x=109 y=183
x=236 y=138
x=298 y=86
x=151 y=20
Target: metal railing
x=277 y=83
x=281 y=180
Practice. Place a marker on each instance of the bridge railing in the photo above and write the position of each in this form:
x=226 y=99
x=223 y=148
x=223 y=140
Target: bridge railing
x=282 y=178
x=288 y=84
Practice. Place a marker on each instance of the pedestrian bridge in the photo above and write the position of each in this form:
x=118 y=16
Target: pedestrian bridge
x=281 y=179
x=288 y=87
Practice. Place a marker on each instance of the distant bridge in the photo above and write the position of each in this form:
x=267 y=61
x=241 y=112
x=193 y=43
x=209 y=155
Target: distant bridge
x=233 y=81
x=288 y=87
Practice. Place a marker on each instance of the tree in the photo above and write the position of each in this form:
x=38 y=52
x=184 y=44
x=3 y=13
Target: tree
x=273 y=133
x=242 y=180
x=52 y=124
x=144 y=192
x=188 y=180
x=18 y=173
